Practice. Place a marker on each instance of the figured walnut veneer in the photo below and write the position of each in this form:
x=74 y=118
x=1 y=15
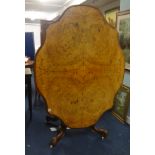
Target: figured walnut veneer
x=80 y=67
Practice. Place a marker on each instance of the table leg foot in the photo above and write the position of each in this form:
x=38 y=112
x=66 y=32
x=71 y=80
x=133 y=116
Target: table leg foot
x=100 y=131
x=60 y=134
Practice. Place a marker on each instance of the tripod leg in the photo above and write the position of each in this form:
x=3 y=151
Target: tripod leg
x=100 y=131
x=59 y=135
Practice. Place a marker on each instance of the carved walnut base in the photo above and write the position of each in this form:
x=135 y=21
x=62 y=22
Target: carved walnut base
x=61 y=132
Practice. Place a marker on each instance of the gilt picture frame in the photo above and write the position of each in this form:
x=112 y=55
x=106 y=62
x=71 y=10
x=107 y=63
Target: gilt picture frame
x=110 y=16
x=121 y=103
x=123 y=28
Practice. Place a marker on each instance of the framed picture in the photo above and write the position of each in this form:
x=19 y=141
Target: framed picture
x=123 y=28
x=110 y=16
x=121 y=103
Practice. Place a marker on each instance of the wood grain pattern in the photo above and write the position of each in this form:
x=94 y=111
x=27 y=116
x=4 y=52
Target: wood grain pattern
x=80 y=66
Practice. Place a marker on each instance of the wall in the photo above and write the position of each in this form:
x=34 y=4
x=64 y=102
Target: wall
x=124 y=5
x=126 y=80
x=115 y=4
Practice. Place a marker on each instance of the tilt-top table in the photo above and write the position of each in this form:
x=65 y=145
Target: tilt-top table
x=79 y=69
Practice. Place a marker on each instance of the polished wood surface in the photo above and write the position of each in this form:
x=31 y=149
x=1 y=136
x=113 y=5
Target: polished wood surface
x=80 y=67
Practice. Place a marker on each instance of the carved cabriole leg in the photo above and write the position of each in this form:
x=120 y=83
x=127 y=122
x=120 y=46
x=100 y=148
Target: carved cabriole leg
x=61 y=132
x=101 y=131
x=50 y=121
x=59 y=135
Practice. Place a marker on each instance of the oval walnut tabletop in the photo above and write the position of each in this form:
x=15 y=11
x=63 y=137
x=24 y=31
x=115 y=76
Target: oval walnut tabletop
x=80 y=67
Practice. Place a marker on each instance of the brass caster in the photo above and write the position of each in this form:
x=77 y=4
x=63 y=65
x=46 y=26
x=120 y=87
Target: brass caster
x=51 y=146
x=53 y=129
x=102 y=138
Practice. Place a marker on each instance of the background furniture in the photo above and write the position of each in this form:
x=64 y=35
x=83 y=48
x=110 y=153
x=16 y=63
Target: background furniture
x=28 y=75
